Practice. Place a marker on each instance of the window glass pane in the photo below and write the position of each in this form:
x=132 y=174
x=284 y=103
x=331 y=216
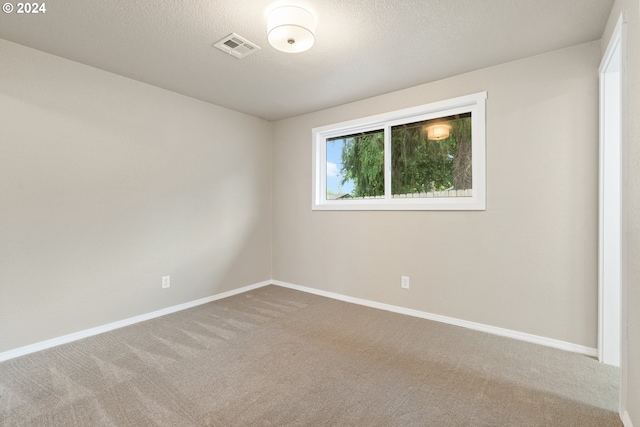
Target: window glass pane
x=404 y=162
x=355 y=166
x=432 y=158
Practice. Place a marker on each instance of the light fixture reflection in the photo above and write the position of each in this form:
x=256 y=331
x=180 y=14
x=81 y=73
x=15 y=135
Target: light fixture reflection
x=438 y=131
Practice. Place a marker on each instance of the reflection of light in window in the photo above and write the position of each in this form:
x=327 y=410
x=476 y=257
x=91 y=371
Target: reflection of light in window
x=438 y=131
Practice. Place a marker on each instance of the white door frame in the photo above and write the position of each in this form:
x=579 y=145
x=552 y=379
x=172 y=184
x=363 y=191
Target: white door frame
x=610 y=203
x=612 y=340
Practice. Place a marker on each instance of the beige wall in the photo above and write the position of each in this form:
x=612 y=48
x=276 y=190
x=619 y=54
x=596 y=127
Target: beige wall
x=631 y=381
x=107 y=184
x=528 y=263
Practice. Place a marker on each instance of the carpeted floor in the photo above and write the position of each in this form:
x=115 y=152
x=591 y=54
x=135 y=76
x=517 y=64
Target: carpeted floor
x=278 y=357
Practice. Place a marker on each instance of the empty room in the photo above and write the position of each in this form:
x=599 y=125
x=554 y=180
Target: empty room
x=363 y=213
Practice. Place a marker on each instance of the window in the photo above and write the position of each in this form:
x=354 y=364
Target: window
x=430 y=157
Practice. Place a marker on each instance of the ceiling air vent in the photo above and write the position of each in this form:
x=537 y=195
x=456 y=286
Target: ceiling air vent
x=236 y=46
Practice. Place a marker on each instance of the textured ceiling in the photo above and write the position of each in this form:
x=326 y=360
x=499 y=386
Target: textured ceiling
x=363 y=47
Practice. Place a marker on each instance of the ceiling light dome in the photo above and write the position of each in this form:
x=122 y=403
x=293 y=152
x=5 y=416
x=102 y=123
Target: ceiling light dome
x=291 y=29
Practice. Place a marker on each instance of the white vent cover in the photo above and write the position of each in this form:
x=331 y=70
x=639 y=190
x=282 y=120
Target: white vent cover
x=236 y=46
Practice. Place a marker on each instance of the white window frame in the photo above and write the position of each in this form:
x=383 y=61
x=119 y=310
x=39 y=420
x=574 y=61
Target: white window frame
x=474 y=103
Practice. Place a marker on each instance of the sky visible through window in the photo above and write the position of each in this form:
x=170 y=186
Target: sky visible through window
x=334 y=166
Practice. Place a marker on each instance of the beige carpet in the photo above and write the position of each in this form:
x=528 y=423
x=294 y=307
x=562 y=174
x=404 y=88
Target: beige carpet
x=278 y=357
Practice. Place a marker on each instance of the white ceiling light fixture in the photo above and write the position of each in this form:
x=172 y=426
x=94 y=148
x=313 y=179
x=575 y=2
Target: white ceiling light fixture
x=291 y=29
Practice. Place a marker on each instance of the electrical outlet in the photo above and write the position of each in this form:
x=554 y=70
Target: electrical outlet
x=404 y=282
x=166 y=282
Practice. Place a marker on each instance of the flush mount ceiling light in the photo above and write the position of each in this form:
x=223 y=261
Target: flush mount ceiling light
x=291 y=29
x=438 y=131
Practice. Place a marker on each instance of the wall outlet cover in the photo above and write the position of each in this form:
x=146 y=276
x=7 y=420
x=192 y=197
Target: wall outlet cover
x=404 y=282
x=166 y=282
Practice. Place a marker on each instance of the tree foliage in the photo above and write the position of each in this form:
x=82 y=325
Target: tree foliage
x=418 y=164
x=363 y=162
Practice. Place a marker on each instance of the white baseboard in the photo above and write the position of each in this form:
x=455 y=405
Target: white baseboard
x=549 y=342
x=626 y=419
x=32 y=348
